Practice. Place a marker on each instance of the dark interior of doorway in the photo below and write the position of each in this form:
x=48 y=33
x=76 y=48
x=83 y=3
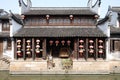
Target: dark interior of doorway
x=55 y=50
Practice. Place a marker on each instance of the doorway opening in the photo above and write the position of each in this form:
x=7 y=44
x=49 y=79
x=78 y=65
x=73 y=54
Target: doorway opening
x=60 y=47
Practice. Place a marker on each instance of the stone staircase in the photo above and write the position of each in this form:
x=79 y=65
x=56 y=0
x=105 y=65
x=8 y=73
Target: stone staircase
x=4 y=63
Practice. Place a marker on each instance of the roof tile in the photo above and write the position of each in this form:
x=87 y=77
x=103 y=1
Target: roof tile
x=59 y=32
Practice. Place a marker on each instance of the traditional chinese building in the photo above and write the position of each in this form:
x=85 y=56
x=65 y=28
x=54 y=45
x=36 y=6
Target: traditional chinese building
x=57 y=38
x=51 y=30
x=5 y=40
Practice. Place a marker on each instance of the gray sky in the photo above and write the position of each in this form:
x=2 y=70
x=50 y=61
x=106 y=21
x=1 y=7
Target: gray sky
x=14 y=6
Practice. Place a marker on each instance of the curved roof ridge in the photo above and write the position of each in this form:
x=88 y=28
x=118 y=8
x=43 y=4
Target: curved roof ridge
x=58 y=8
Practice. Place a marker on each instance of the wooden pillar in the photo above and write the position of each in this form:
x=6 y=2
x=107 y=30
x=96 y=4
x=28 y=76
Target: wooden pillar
x=15 y=49
x=111 y=45
x=86 y=47
x=33 y=48
x=44 y=48
x=104 y=48
x=24 y=49
x=75 y=49
x=96 y=50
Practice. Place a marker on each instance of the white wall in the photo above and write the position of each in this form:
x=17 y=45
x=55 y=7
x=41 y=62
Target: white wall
x=105 y=28
x=114 y=19
x=14 y=27
x=114 y=55
x=0 y=27
x=6 y=53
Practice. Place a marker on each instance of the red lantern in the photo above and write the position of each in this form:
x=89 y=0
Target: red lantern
x=18 y=52
x=18 y=46
x=90 y=46
x=37 y=51
x=37 y=46
x=68 y=41
x=100 y=46
x=100 y=41
x=57 y=42
x=28 y=52
x=71 y=16
x=81 y=46
x=81 y=51
x=51 y=42
x=18 y=41
x=91 y=51
x=81 y=41
x=37 y=40
x=28 y=41
x=62 y=41
x=28 y=46
x=91 y=41
x=47 y=16
x=101 y=51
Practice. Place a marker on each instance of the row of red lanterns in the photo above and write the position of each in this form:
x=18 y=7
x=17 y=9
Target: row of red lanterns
x=57 y=42
x=91 y=41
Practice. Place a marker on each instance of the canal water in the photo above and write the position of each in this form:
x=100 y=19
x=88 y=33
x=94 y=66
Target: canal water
x=5 y=76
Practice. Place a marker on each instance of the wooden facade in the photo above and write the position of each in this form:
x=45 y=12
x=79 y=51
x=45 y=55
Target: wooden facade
x=79 y=48
x=59 y=21
x=60 y=33
x=5 y=25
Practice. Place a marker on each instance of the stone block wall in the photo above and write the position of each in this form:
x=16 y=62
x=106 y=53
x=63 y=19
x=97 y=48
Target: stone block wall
x=25 y=67
x=114 y=66
x=79 y=67
x=94 y=67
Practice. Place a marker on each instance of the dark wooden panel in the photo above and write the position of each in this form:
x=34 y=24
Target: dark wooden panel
x=86 y=49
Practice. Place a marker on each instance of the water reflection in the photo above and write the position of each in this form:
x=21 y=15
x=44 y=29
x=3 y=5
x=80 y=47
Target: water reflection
x=5 y=76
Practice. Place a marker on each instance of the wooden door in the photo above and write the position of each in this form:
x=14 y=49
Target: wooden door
x=1 y=48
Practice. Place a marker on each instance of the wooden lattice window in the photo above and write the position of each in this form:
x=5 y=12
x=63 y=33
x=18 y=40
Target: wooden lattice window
x=5 y=26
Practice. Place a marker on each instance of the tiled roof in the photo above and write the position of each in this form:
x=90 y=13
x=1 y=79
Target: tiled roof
x=4 y=34
x=4 y=14
x=4 y=17
x=114 y=30
x=1 y=10
x=116 y=9
x=16 y=17
x=59 y=32
x=60 y=11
